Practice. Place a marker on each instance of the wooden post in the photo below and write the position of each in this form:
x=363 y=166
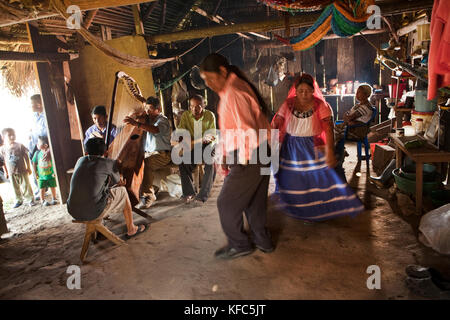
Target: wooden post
x=65 y=150
x=138 y=25
x=3 y=227
x=106 y=33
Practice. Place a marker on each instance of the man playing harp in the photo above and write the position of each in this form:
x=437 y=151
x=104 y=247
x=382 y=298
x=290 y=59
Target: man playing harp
x=157 y=146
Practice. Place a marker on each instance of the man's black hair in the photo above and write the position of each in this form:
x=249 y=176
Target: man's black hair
x=36 y=97
x=95 y=147
x=154 y=102
x=44 y=139
x=101 y=110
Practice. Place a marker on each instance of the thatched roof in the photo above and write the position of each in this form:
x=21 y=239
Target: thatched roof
x=18 y=76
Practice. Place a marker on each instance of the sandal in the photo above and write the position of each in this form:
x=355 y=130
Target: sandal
x=138 y=231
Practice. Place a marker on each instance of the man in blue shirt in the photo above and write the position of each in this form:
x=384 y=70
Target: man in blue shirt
x=157 y=147
x=98 y=129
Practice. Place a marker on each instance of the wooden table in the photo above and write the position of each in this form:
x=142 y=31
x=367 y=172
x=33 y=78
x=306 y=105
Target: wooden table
x=399 y=113
x=425 y=154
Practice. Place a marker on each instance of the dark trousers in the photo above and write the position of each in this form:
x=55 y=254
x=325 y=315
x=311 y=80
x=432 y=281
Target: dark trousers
x=187 y=182
x=244 y=190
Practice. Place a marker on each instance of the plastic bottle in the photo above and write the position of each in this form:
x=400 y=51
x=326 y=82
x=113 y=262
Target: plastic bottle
x=419 y=126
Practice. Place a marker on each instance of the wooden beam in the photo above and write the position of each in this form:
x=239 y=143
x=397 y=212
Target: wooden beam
x=138 y=25
x=412 y=26
x=36 y=57
x=149 y=11
x=106 y=32
x=218 y=20
x=20 y=15
x=51 y=78
x=261 y=26
x=300 y=21
x=89 y=18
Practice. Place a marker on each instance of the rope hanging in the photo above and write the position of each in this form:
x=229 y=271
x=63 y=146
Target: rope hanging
x=344 y=18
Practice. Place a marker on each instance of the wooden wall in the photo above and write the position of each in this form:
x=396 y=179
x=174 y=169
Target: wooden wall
x=93 y=75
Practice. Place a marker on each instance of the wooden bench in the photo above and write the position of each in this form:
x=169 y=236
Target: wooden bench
x=92 y=227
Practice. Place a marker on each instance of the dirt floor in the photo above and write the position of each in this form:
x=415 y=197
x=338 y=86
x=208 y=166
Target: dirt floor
x=174 y=259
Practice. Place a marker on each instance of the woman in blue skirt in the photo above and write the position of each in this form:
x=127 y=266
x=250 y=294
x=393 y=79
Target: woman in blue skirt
x=306 y=181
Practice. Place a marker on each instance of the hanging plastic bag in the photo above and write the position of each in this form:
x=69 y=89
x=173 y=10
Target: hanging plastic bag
x=435 y=228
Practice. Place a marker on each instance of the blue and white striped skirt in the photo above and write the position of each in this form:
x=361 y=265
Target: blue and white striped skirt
x=309 y=189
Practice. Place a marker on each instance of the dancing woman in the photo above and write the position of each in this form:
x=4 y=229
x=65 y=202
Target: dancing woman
x=306 y=180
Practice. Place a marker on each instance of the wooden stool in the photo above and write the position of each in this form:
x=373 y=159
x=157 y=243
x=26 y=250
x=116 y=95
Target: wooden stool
x=91 y=230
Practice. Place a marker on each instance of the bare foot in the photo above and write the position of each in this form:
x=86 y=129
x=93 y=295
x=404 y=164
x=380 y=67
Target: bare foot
x=135 y=229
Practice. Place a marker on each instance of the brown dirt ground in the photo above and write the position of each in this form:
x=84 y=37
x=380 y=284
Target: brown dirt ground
x=174 y=259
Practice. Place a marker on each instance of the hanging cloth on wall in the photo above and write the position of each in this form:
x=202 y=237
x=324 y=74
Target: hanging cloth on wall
x=345 y=18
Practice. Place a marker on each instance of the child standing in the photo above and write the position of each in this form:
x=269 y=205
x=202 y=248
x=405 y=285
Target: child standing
x=42 y=163
x=17 y=167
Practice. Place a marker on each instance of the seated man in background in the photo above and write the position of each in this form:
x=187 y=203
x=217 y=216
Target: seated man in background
x=98 y=129
x=204 y=120
x=96 y=188
x=157 y=147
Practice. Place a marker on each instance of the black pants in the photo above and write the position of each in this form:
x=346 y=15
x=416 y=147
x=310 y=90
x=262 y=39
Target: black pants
x=244 y=190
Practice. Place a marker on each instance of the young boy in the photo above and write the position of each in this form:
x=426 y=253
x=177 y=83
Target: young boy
x=96 y=188
x=42 y=164
x=17 y=167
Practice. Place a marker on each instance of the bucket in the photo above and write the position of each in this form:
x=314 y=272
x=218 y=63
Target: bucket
x=422 y=104
x=409 y=185
x=425 y=116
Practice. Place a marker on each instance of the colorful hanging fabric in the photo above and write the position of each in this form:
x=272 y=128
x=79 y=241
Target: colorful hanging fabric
x=294 y=6
x=345 y=18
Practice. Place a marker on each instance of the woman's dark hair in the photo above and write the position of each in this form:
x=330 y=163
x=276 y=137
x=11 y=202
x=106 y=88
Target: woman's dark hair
x=101 y=110
x=95 y=147
x=214 y=61
x=305 y=78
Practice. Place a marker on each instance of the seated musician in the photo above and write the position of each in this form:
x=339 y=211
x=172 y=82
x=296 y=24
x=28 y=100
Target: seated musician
x=97 y=190
x=157 y=147
x=205 y=119
x=98 y=129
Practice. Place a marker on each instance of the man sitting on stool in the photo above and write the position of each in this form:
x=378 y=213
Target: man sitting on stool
x=204 y=120
x=96 y=188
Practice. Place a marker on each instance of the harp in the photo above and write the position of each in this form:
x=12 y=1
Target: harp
x=128 y=145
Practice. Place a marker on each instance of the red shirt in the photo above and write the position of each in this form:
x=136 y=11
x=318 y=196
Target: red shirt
x=240 y=116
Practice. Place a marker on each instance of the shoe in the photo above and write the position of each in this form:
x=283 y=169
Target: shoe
x=265 y=250
x=419 y=272
x=147 y=202
x=53 y=202
x=188 y=199
x=32 y=203
x=427 y=288
x=141 y=203
x=45 y=204
x=18 y=204
x=377 y=182
x=37 y=198
x=139 y=230
x=227 y=253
